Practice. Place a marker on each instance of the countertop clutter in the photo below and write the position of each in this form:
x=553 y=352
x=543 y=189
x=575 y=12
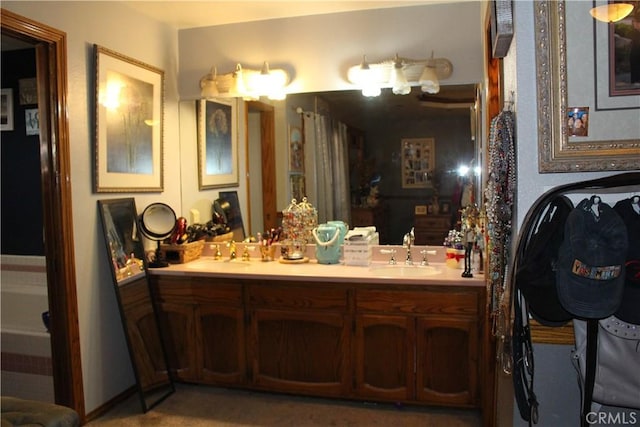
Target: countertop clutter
x=378 y=271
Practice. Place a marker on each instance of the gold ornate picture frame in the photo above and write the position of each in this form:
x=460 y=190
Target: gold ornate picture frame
x=129 y=113
x=557 y=152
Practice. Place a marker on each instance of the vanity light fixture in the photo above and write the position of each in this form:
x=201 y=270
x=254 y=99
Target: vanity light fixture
x=245 y=83
x=399 y=79
x=367 y=79
x=611 y=12
x=208 y=85
x=400 y=74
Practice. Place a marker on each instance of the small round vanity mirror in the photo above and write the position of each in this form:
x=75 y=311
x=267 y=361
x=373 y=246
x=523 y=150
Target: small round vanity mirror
x=157 y=223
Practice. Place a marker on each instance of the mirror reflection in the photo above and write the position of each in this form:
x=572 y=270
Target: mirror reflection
x=139 y=319
x=403 y=160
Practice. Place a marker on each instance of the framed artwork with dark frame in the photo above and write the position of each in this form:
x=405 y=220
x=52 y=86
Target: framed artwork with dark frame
x=418 y=162
x=129 y=108
x=217 y=143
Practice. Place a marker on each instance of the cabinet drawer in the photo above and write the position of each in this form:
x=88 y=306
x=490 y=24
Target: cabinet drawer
x=418 y=302
x=197 y=291
x=430 y=221
x=300 y=298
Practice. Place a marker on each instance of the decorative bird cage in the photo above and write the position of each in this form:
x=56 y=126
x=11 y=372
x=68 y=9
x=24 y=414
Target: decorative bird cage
x=298 y=222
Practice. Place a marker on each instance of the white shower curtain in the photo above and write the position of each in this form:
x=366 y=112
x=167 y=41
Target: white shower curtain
x=328 y=166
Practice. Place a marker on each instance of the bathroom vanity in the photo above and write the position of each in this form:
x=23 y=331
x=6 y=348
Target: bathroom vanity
x=381 y=333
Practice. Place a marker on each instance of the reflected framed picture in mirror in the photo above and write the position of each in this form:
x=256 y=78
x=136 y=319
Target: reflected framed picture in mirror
x=217 y=143
x=138 y=314
x=418 y=161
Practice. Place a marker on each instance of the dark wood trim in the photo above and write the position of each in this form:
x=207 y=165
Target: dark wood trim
x=541 y=334
x=51 y=62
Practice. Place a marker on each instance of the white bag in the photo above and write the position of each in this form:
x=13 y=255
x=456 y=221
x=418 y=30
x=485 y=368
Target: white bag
x=617 y=381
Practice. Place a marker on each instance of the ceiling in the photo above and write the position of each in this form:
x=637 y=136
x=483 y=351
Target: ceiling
x=349 y=105
x=192 y=14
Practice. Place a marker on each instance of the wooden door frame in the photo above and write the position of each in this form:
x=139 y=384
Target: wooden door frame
x=51 y=62
x=268 y=155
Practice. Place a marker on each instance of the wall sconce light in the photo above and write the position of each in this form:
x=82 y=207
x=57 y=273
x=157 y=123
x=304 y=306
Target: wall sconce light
x=612 y=12
x=400 y=74
x=246 y=83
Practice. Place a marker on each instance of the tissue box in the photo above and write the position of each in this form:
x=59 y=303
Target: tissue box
x=359 y=252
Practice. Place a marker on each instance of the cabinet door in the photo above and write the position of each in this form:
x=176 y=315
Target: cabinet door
x=447 y=369
x=385 y=356
x=142 y=333
x=297 y=351
x=221 y=344
x=179 y=334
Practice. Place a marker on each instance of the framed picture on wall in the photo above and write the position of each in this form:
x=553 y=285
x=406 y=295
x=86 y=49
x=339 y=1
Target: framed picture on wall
x=129 y=108
x=297 y=186
x=32 y=121
x=6 y=109
x=418 y=162
x=296 y=150
x=217 y=143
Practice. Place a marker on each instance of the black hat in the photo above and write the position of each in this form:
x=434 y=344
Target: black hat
x=629 y=211
x=536 y=275
x=590 y=271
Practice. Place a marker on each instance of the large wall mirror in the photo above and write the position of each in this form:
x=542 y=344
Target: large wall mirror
x=377 y=130
x=125 y=255
x=573 y=55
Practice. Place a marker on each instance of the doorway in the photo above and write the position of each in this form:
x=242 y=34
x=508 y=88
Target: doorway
x=51 y=55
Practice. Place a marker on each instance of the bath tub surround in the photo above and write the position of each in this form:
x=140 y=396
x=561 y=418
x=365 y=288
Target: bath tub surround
x=26 y=344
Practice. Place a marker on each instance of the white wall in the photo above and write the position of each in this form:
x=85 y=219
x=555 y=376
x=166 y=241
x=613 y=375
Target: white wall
x=320 y=58
x=320 y=49
x=106 y=367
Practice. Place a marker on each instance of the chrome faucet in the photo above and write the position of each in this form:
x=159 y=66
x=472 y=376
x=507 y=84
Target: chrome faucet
x=407 y=242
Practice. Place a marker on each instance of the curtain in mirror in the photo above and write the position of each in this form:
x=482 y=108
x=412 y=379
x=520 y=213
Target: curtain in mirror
x=328 y=139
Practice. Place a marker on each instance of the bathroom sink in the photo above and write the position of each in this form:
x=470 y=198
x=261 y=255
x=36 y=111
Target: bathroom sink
x=212 y=264
x=403 y=270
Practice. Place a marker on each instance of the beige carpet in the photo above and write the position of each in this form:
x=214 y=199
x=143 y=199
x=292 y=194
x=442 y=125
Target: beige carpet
x=199 y=406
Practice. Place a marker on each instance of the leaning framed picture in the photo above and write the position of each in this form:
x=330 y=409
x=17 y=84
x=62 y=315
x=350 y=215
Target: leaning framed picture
x=129 y=108
x=217 y=143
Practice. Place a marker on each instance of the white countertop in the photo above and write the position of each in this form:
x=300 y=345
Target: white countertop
x=379 y=271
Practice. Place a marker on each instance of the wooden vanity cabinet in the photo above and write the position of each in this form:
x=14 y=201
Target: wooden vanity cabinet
x=202 y=320
x=383 y=342
x=299 y=338
x=418 y=345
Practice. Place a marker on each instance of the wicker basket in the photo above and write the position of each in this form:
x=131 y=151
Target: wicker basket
x=179 y=254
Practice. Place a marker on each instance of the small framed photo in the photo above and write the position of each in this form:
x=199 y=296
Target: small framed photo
x=420 y=210
x=445 y=208
x=28 y=91
x=296 y=150
x=297 y=185
x=217 y=143
x=6 y=109
x=32 y=121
